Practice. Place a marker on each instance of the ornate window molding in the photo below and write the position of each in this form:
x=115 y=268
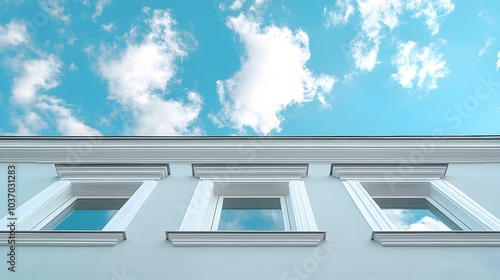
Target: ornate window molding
x=263 y=180
x=478 y=226
x=134 y=182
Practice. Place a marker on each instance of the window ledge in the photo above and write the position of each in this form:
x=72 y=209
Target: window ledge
x=437 y=238
x=246 y=238
x=64 y=238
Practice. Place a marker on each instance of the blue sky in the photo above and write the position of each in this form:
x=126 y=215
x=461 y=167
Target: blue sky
x=249 y=67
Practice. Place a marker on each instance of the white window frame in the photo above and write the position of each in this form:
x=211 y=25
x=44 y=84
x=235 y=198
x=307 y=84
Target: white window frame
x=135 y=182
x=255 y=180
x=363 y=182
x=283 y=208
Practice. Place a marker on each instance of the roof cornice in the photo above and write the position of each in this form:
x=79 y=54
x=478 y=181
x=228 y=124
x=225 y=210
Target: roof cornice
x=403 y=149
x=204 y=138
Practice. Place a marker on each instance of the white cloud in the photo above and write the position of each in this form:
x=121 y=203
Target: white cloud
x=13 y=33
x=486 y=16
x=22 y=129
x=346 y=9
x=38 y=75
x=377 y=15
x=35 y=122
x=55 y=9
x=145 y=10
x=273 y=75
x=487 y=43
x=89 y=49
x=139 y=75
x=99 y=8
x=108 y=27
x=422 y=65
x=364 y=54
x=168 y=117
x=32 y=78
x=29 y=124
x=267 y=220
x=431 y=10
x=349 y=77
x=72 y=40
x=428 y=224
x=498 y=61
x=405 y=220
x=259 y=3
x=237 y=5
x=72 y=67
x=66 y=123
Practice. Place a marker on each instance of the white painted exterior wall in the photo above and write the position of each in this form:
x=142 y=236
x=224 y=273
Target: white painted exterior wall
x=347 y=253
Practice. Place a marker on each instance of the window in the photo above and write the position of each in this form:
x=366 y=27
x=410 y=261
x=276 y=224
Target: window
x=91 y=205
x=255 y=213
x=85 y=214
x=248 y=205
x=417 y=208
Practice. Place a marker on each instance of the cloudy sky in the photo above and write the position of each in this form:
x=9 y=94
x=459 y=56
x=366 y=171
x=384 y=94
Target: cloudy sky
x=249 y=67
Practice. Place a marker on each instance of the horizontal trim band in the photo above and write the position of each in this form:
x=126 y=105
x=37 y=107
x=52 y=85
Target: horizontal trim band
x=246 y=238
x=63 y=238
x=437 y=238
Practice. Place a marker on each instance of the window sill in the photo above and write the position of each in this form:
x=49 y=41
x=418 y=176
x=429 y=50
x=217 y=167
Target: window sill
x=437 y=238
x=246 y=238
x=64 y=238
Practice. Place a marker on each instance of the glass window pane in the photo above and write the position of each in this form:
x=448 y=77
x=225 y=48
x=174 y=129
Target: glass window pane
x=415 y=214
x=87 y=214
x=251 y=214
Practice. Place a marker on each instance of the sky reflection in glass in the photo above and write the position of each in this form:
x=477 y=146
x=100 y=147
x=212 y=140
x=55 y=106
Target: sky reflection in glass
x=251 y=214
x=87 y=214
x=415 y=219
x=415 y=214
x=86 y=220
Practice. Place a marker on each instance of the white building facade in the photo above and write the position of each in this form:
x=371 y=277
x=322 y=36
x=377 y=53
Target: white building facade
x=250 y=208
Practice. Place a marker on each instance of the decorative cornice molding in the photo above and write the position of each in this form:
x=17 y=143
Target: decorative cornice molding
x=404 y=150
x=112 y=172
x=64 y=238
x=245 y=238
x=437 y=239
x=286 y=172
x=376 y=172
